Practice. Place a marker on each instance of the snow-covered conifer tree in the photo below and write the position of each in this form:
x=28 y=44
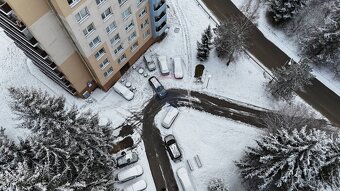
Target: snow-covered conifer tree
x=283 y=10
x=286 y=160
x=204 y=47
x=217 y=184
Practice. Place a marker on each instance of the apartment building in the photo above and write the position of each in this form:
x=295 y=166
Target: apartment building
x=83 y=44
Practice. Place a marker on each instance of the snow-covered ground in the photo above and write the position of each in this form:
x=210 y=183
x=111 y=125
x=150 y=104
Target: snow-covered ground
x=243 y=80
x=216 y=140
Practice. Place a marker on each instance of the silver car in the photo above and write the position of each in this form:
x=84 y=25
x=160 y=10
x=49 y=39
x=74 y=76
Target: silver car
x=126 y=159
x=150 y=64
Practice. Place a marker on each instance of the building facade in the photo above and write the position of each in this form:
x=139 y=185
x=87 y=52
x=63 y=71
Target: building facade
x=83 y=44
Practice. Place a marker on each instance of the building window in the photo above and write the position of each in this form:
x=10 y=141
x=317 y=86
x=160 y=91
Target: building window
x=106 y=14
x=82 y=15
x=99 y=2
x=146 y=34
x=129 y=26
x=121 y=59
x=126 y=13
x=72 y=3
x=100 y=53
x=134 y=46
x=89 y=30
x=139 y=2
x=95 y=42
x=108 y=72
x=121 y=2
x=118 y=49
x=143 y=12
x=132 y=36
x=144 y=24
x=111 y=27
x=104 y=63
x=114 y=40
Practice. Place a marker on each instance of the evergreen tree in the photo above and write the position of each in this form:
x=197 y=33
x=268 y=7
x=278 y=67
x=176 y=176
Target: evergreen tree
x=284 y=10
x=217 y=184
x=289 y=79
x=71 y=152
x=204 y=47
x=231 y=36
x=321 y=42
x=286 y=160
x=331 y=171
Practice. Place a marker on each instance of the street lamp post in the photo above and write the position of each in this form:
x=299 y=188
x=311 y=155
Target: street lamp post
x=209 y=76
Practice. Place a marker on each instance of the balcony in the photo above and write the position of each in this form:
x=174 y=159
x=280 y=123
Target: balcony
x=160 y=30
x=6 y=24
x=16 y=23
x=5 y=8
x=160 y=19
x=158 y=9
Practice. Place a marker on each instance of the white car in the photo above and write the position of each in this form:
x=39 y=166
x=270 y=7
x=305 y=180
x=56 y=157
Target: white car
x=123 y=91
x=150 y=64
x=178 y=70
x=138 y=186
x=170 y=117
x=130 y=173
x=163 y=65
x=183 y=177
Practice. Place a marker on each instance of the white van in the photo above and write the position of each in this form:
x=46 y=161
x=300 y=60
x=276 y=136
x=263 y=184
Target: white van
x=183 y=177
x=130 y=173
x=178 y=70
x=170 y=117
x=163 y=65
x=123 y=91
x=137 y=186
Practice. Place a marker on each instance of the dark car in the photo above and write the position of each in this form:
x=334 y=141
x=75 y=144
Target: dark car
x=157 y=87
x=172 y=147
x=126 y=159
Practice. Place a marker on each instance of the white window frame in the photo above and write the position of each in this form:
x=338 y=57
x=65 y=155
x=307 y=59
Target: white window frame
x=128 y=10
x=139 y=2
x=103 y=64
x=94 y=45
x=121 y=2
x=134 y=46
x=146 y=34
x=82 y=18
x=101 y=52
x=109 y=29
x=87 y=31
x=143 y=12
x=129 y=26
x=100 y=2
x=121 y=59
x=74 y=3
x=108 y=72
x=119 y=49
x=144 y=24
x=132 y=36
x=116 y=40
x=106 y=15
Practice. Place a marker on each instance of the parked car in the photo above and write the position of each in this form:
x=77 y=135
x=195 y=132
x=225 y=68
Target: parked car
x=123 y=91
x=150 y=64
x=172 y=147
x=157 y=87
x=178 y=70
x=170 y=117
x=184 y=178
x=126 y=159
x=129 y=174
x=163 y=65
x=137 y=186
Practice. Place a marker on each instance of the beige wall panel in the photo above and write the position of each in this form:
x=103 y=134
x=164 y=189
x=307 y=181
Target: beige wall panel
x=76 y=72
x=64 y=9
x=29 y=11
x=52 y=38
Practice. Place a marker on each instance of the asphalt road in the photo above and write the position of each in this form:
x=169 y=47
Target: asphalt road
x=317 y=95
x=155 y=150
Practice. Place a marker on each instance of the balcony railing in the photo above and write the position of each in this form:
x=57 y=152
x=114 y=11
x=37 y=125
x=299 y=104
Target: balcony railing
x=5 y=8
x=160 y=27
x=16 y=23
x=159 y=5
x=160 y=16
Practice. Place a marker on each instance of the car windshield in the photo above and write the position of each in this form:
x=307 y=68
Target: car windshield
x=174 y=150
